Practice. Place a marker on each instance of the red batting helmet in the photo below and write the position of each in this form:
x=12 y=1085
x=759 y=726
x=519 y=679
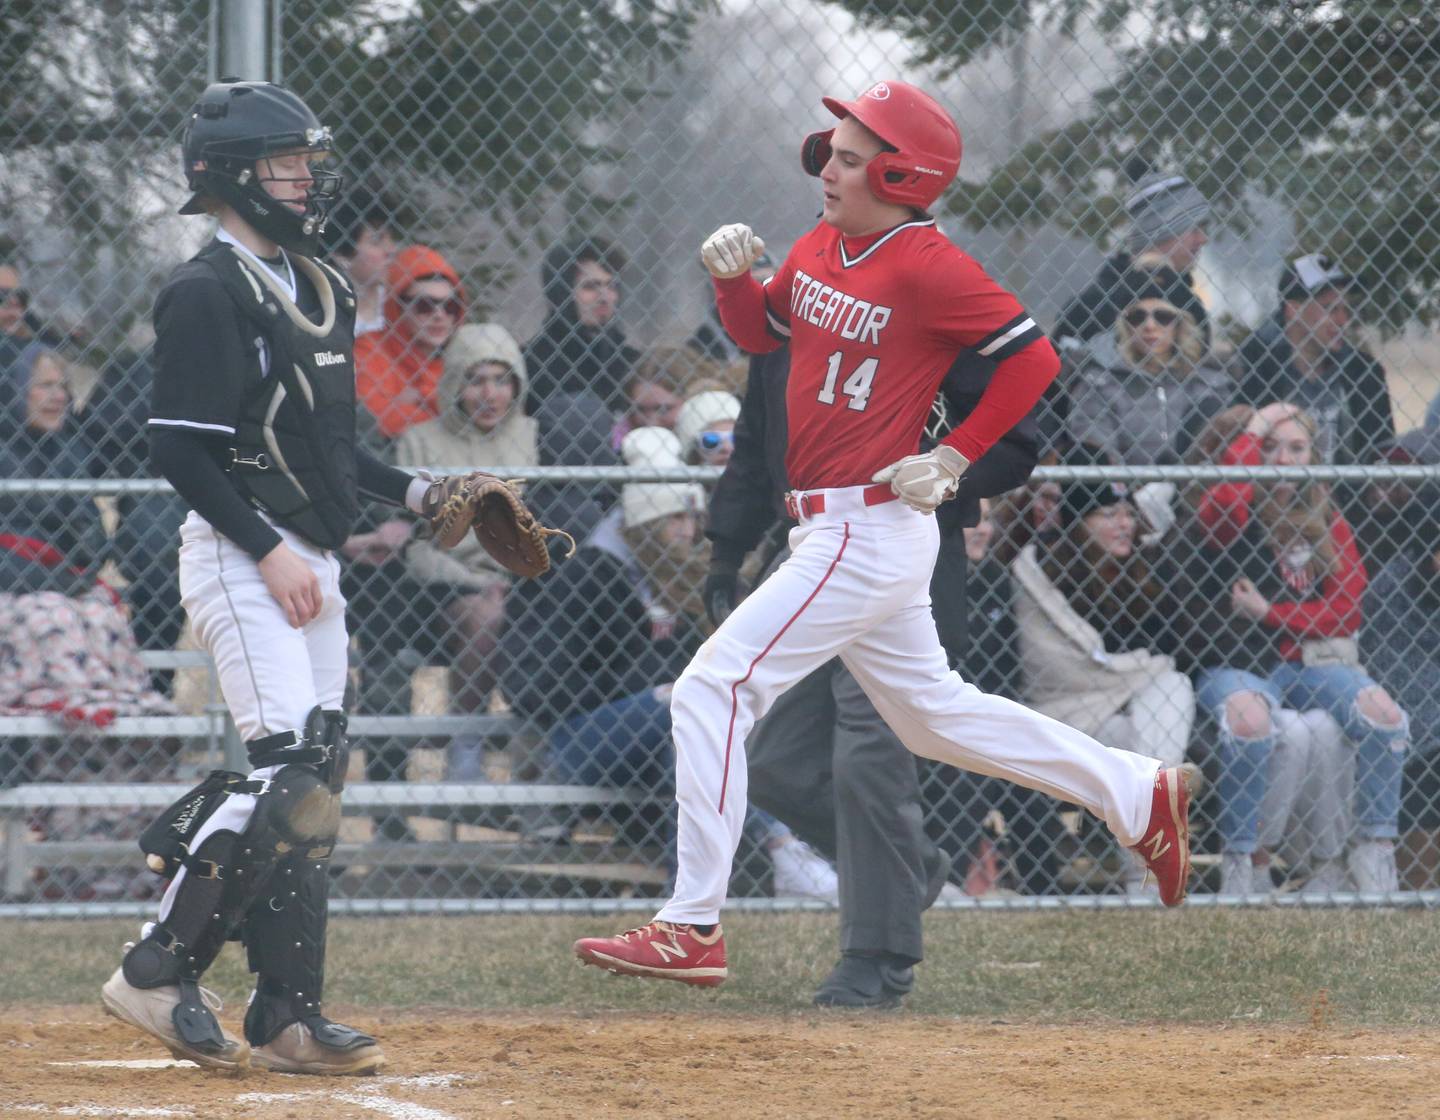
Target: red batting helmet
x=926 y=143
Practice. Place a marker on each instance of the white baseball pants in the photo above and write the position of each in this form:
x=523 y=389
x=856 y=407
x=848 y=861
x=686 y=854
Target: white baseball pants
x=271 y=675
x=857 y=585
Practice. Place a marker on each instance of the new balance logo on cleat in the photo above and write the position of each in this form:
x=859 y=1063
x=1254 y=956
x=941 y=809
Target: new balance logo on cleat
x=1166 y=849
x=660 y=951
x=1158 y=845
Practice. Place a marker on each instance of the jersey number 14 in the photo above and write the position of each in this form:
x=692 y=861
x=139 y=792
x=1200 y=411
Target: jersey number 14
x=856 y=386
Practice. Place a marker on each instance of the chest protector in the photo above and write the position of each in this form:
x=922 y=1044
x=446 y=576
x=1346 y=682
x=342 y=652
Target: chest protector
x=294 y=454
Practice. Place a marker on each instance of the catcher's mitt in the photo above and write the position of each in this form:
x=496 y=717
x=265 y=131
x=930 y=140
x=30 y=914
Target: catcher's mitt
x=502 y=523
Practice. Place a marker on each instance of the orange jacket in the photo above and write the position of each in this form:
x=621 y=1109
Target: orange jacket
x=393 y=380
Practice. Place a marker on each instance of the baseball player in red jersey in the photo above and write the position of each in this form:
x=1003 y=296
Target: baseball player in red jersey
x=876 y=303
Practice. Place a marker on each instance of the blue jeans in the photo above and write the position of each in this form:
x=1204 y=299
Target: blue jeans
x=1245 y=763
x=627 y=743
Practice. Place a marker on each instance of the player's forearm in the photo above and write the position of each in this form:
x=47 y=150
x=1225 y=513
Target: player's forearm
x=184 y=460
x=1015 y=387
x=741 y=303
x=389 y=484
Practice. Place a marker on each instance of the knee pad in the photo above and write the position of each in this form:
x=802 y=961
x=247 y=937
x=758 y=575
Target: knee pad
x=300 y=805
x=299 y=810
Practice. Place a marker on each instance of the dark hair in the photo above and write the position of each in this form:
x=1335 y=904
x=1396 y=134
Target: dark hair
x=562 y=264
x=1102 y=589
x=359 y=209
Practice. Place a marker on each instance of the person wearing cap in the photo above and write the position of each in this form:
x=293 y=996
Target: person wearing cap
x=1167 y=216
x=1145 y=399
x=1273 y=591
x=1305 y=354
x=1092 y=612
x=706 y=427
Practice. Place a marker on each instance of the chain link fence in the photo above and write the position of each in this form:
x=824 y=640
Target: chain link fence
x=1223 y=213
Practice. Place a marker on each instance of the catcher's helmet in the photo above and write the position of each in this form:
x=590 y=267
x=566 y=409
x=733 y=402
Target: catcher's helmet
x=235 y=124
x=924 y=143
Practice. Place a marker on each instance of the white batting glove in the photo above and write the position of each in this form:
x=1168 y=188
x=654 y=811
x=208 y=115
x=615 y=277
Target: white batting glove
x=731 y=250
x=922 y=482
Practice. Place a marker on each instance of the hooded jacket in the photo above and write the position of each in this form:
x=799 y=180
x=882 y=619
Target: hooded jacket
x=387 y=364
x=1142 y=417
x=452 y=440
x=565 y=357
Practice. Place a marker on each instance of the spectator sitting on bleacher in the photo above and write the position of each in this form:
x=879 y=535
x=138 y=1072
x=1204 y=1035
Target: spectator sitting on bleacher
x=581 y=346
x=398 y=368
x=361 y=232
x=1401 y=645
x=664 y=378
x=482 y=425
x=20 y=327
x=1307 y=354
x=705 y=427
x=67 y=648
x=50 y=541
x=114 y=420
x=1273 y=600
x=1093 y=614
x=1149 y=405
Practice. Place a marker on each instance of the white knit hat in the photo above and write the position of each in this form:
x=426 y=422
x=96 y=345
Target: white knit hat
x=643 y=502
x=702 y=410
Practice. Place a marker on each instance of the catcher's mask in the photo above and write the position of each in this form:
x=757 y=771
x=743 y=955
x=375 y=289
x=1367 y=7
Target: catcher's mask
x=230 y=130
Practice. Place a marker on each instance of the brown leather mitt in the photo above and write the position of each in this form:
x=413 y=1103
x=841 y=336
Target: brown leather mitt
x=502 y=523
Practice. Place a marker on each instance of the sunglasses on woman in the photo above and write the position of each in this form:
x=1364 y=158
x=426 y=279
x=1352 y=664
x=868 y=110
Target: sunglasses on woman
x=1165 y=316
x=714 y=441
x=428 y=305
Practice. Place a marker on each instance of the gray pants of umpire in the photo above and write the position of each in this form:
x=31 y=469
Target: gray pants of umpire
x=825 y=763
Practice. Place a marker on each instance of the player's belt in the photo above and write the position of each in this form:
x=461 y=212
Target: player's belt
x=800 y=505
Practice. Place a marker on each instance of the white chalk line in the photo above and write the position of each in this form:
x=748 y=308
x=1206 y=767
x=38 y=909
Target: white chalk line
x=372 y=1097
x=134 y=1063
x=98 y=1110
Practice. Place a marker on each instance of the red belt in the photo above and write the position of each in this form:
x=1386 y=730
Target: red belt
x=801 y=505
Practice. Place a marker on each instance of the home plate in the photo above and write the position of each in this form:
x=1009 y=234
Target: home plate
x=134 y=1063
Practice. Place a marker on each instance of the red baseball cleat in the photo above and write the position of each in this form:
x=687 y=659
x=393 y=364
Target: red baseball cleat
x=660 y=951
x=1166 y=847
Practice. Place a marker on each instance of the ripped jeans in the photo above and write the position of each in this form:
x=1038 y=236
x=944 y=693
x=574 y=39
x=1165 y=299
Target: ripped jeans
x=1245 y=763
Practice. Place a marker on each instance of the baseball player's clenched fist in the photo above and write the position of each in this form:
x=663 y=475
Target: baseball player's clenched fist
x=731 y=250
x=922 y=482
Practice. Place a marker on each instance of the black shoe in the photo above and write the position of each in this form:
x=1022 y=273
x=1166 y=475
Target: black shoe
x=859 y=982
x=939 y=876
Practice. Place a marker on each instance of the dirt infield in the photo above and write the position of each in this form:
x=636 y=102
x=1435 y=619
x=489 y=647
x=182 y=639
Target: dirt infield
x=447 y=1066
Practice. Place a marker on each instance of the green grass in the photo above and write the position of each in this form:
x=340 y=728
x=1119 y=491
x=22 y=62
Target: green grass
x=1375 y=967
